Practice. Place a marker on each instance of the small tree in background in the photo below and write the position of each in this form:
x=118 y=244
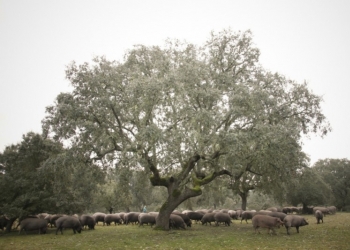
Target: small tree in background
x=308 y=189
x=336 y=173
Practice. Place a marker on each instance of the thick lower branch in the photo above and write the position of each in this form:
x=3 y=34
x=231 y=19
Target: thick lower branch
x=156 y=180
x=200 y=182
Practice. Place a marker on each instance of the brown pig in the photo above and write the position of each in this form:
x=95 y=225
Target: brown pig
x=265 y=221
x=294 y=221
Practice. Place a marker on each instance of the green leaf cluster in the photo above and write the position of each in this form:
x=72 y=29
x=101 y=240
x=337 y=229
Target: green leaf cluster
x=336 y=173
x=39 y=175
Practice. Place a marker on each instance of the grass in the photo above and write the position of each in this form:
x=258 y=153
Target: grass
x=333 y=234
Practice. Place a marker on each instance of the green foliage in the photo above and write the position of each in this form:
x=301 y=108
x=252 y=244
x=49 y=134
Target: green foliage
x=41 y=176
x=22 y=187
x=123 y=193
x=336 y=173
x=259 y=200
x=270 y=141
x=308 y=188
x=214 y=195
x=73 y=183
x=126 y=190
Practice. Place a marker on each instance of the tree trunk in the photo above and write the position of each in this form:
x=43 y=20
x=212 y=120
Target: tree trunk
x=306 y=209
x=178 y=192
x=244 y=200
x=9 y=224
x=175 y=198
x=162 y=221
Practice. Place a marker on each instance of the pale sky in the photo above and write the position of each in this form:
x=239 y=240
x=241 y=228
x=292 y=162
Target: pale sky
x=305 y=40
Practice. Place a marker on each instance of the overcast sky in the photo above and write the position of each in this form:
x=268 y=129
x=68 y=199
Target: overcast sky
x=304 y=40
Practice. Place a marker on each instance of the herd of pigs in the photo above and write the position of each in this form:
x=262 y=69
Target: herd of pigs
x=270 y=219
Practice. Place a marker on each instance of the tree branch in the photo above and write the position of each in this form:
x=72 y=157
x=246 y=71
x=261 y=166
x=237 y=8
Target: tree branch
x=156 y=180
x=201 y=182
x=251 y=171
x=189 y=165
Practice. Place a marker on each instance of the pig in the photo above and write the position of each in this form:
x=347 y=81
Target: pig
x=332 y=209
x=319 y=216
x=239 y=212
x=185 y=217
x=122 y=216
x=324 y=210
x=155 y=214
x=99 y=217
x=186 y=211
x=208 y=218
x=204 y=211
x=109 y=218
x=132 y=217
x=196 y=216
x=222 y=218
x=290 y=210
x=279 y=215
x=273 y=209
x=266 y=221
x=146 y=218
x=68 y=222
x=87 y=220
x=233 y=214
x=176 y=221
x=51 y=218
x=247 y=215
x=263 y=212
x=30 y=224
x=294 y=221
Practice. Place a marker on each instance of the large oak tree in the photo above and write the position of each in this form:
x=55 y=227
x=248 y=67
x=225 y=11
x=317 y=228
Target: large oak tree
x=181 y=112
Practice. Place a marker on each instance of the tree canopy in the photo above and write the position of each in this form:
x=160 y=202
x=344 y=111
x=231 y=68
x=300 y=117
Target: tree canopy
x=185 y=114
x=308 y=189
x=22 y=188
x=39 y=175
x=336 y=173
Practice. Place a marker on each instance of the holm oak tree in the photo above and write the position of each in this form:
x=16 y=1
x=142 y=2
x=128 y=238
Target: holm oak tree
x=179 y=112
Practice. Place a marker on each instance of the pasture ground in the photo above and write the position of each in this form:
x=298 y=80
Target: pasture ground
x=333 y=234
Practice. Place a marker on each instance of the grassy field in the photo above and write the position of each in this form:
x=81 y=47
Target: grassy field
x=333 y=234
